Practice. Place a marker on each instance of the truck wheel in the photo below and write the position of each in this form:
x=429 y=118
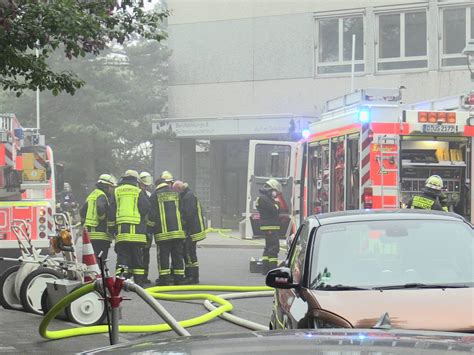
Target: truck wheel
x=33 y=287
x=87 y=310
x=8 y=297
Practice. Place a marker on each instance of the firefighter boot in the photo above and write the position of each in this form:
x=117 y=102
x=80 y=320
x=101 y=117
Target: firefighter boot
x=193 y=276
x=164 y=280
x=139 y=280
x=180 y=280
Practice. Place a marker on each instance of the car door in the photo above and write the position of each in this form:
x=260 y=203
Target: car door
x=291 y=307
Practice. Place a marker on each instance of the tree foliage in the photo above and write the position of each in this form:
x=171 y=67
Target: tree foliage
x=77 y=27
x=106 y=126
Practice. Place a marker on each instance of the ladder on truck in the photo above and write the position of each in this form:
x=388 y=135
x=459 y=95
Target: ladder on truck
x=384 y=142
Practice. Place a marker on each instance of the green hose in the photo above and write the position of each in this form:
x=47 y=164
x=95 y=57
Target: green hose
x=225 y=306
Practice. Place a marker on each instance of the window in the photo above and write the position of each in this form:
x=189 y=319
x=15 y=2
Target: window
x=298 y=254
x=387 y=252
x=402 y=41
x=335 y=44
x=458 y=29
x=272 y=160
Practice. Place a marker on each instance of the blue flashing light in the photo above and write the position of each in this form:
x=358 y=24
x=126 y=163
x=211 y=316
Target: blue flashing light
x=362 y=336
x=364 y=116
x=305 y=133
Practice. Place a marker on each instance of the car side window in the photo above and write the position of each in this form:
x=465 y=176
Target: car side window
x=296 y=261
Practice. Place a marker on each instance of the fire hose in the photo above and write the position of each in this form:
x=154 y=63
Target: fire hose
x=149 y=296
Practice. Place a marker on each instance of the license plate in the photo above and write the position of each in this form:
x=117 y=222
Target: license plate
x=439 y=128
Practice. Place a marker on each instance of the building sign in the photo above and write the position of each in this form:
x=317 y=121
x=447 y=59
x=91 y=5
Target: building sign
x=216 y=127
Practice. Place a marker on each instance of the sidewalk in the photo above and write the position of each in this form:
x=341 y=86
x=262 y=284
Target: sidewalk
x=233 y=240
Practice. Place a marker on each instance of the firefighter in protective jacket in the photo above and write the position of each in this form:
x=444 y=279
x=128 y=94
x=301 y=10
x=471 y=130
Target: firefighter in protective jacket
x=129 y=208
x=146 y=184
x=432 y=197
x=269 y=210
x=194 y=226
x=94 y=215
x=166 y=225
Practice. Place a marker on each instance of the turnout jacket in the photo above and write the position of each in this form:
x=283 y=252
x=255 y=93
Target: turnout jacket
x=269 y=211
x=94 y=214
x=164 y=220
x=428 y=201
x=192 y=216
x=129 y=208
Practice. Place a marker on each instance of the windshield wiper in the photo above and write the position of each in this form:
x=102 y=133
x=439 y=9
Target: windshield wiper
x=338 y=288
x=418 y=285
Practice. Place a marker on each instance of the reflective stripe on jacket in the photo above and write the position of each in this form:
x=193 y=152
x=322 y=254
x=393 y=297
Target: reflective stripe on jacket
x=165 y=216
x=92 y=215
x=193 y=218
x=126 y=197
x=269 y=212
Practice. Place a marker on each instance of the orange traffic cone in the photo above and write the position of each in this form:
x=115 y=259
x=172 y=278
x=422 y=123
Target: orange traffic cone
x=88 y=257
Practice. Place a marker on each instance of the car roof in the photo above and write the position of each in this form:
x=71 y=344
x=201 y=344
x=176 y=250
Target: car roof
x=383 y=214
x=305 y=341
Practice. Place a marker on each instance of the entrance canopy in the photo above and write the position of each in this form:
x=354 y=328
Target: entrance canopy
x=232 y=126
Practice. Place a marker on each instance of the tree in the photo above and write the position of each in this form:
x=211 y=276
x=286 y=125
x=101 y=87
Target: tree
x=105 y=126
x=79 y=27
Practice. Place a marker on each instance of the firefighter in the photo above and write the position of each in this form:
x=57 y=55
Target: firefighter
x=165 y=223
x=146 y=184
x=195 y=228
x=432 y=197
x=129 y=208
x=94 y=215
x=269 y=210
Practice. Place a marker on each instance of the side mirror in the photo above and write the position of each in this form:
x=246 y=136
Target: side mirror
x=280 y=278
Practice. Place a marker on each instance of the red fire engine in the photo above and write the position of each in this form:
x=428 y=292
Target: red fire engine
x=27 y=183
x=368 y=150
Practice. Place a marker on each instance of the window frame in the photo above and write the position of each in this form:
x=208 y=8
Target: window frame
x=442 y=56
x=340 y=16
x=402 y=58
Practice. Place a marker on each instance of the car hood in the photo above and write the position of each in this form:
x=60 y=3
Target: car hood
x=428 y=309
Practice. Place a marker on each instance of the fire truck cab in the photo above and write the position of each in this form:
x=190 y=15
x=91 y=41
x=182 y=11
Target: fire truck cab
x=369 y=150
x=27 y=180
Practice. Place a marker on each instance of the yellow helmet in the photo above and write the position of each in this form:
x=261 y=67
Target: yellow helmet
x=145 y=178
x=434 y=182
x=107 y=179
x=274 y=184
x=167 y=176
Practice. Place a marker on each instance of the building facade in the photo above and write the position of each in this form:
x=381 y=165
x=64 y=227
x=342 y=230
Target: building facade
x=260 y=59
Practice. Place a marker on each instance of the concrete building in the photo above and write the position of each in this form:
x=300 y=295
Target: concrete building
x=264 y=63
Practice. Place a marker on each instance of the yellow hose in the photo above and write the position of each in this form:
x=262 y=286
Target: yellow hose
x=225 y=306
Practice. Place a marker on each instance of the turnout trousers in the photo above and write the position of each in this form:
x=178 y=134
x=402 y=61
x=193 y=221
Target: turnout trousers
x=270 y=252
x=130 y=256
x=171 y=248
x=146 y=254
x=191 y=260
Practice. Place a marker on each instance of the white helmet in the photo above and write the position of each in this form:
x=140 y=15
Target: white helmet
x=131 y=173
x=146 y=178
x=274 y=184
x=107 y=179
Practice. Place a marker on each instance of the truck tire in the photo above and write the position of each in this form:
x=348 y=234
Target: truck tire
x=33 y=286
x=8 y=297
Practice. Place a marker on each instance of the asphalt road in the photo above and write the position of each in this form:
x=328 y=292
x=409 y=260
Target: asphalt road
x=219 y=266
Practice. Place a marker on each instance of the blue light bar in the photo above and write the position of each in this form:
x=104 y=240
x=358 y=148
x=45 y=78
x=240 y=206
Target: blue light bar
x=364 y=116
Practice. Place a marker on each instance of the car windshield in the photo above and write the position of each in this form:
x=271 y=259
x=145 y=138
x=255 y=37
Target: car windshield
x=393 y=252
